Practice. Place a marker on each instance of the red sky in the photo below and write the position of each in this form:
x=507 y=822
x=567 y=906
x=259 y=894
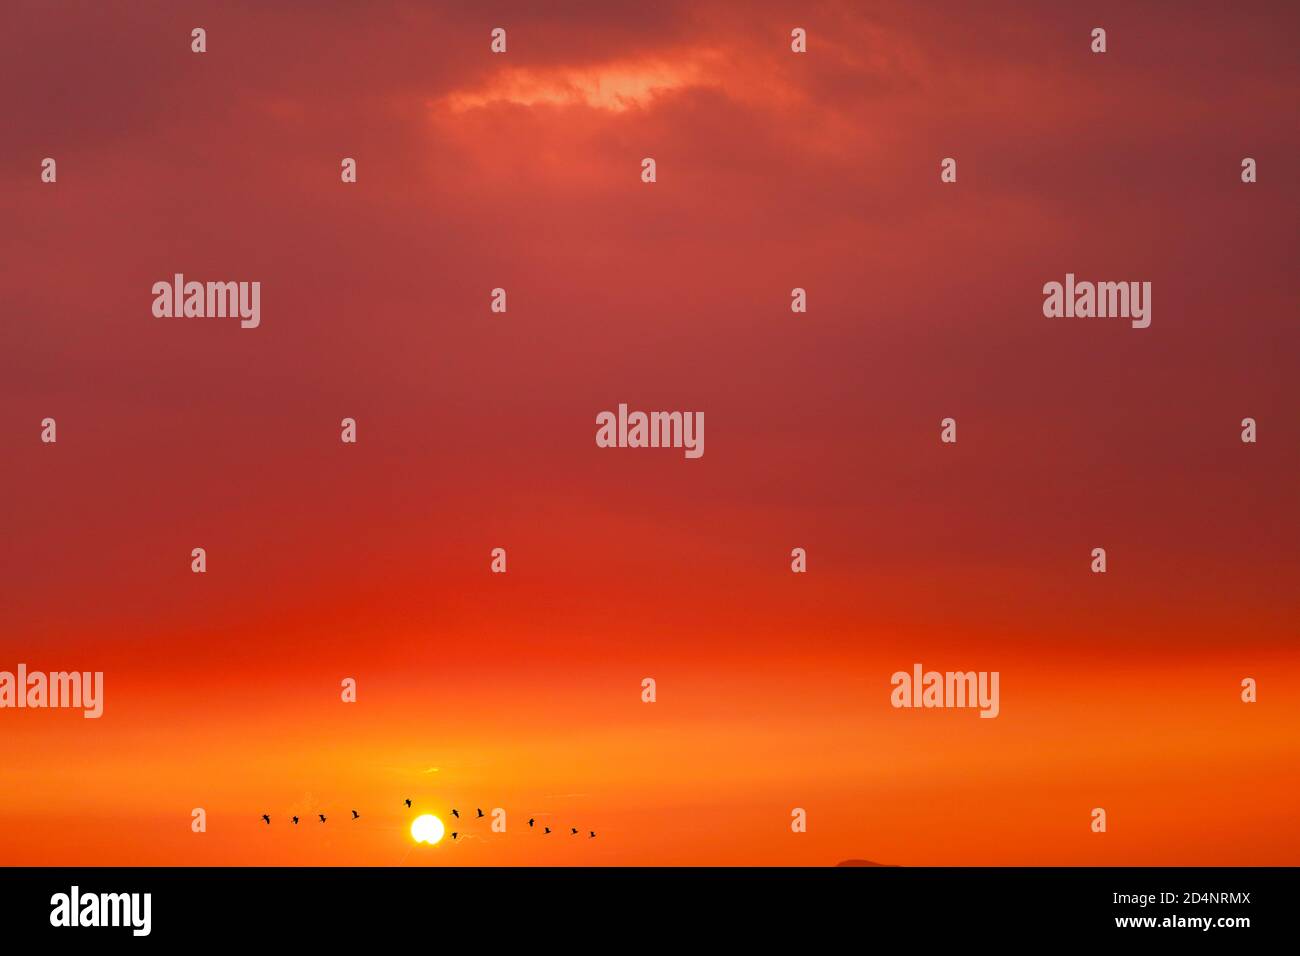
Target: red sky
x=775 y=170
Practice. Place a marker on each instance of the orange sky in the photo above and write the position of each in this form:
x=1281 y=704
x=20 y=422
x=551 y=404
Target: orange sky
x=476 y=431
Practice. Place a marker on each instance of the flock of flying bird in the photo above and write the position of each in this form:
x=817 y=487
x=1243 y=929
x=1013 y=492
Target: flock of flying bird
x=573 y=831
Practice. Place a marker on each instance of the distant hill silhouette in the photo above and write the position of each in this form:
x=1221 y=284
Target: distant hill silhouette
x=861 y=863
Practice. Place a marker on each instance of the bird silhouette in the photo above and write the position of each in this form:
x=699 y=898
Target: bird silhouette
x=295 y=821
x=455 y=813
x=355 y=815
x=574 y=830
x=531 y=821
x=408 y=801
x=593 y=833
x=547 y=829
x=266 y=817
x=454 y=834
x=480 y=813
x=322 y=817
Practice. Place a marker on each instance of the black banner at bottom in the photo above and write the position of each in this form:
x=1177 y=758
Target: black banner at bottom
x=1160 y=906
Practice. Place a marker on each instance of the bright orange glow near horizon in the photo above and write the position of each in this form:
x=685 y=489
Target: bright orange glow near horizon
x=522 y=691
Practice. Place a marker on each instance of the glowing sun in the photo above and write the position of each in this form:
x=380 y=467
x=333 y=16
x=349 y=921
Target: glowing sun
x=427 y=829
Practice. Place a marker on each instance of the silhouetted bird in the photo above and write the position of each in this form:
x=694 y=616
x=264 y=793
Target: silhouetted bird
x=408 y=801
x=456 y=814
x=355 y=815
x=266 y=817
x=530 y=821
x=574 y=830
x=593 y=833
x=454 y=834
x=480 y=812
x=295 y=821
x=322 y=817
x=547 y=829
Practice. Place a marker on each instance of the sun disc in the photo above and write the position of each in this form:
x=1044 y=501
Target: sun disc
x=427 y=829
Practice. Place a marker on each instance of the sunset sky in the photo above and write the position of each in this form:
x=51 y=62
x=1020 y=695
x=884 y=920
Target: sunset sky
x=774 y=170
